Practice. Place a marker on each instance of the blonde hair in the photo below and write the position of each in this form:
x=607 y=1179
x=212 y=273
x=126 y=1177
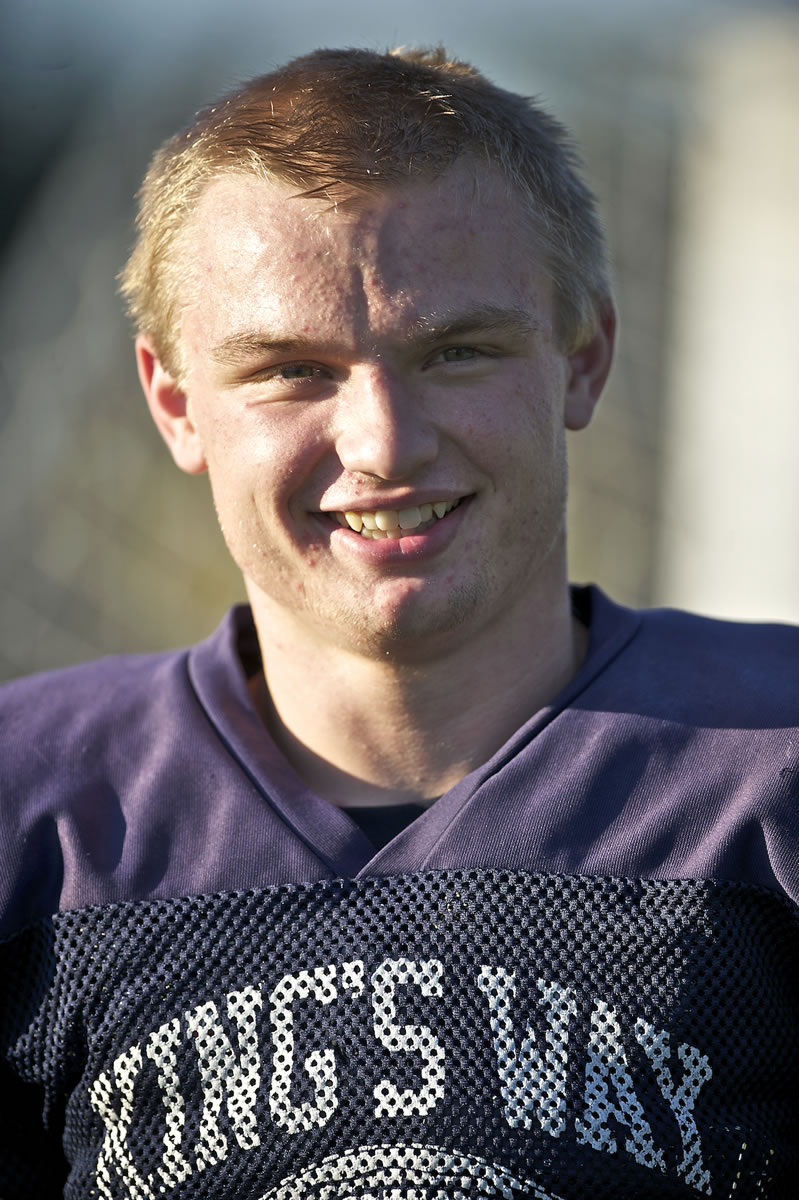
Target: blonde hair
x=338 y=124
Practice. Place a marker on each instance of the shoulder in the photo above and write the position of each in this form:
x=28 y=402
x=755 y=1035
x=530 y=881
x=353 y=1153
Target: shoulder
x=114 y=695
x=759 y=659
x=751 y=636
x=106 y=726
x=70 y=740
x=94 y=764
x=70 y=736
x=683 y=667
x=62 y=705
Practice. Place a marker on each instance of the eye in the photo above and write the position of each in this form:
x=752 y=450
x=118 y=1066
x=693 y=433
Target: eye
x=288 y=381
x=289 y=375
x=455 y=354
x=295 y=371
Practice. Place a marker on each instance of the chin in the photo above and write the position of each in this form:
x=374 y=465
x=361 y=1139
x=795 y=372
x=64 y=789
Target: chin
x=418 y=628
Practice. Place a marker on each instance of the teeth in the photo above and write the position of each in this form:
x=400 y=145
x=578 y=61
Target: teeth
x=409 y=518
x=392 y=522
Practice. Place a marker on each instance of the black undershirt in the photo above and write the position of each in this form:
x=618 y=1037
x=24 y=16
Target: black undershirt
x=382 y=822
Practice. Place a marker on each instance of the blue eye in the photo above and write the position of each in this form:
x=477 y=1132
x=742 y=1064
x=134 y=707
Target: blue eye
x=459 y=353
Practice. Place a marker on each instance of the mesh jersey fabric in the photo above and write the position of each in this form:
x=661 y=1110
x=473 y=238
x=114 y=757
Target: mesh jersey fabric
x=445 y=1034
x=671 y=759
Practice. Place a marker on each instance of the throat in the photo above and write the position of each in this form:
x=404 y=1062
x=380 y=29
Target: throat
x=369 y=783
x=367 y=733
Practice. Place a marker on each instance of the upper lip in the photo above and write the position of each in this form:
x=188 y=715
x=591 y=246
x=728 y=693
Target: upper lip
x=395 y=503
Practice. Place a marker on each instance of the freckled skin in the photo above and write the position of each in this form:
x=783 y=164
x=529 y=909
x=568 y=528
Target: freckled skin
x=380 y=417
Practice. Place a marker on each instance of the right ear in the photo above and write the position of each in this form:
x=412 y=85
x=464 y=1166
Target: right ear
x=170 y=409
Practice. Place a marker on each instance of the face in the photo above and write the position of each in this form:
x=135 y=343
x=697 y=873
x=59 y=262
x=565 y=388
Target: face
x=380 y=403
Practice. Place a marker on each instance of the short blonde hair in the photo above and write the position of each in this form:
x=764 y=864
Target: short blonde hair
x=338 y=124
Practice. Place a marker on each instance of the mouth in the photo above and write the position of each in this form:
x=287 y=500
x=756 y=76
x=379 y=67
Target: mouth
x=396 y=522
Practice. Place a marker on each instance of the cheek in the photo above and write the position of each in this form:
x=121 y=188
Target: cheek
x=541 y=421
x=526 y=459
x=263 y=466
x=518 y=424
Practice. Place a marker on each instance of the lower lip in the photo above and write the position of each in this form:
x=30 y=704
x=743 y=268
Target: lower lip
x=409 y=546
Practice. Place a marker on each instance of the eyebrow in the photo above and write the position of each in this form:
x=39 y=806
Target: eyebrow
x=237 y=348
x=491 y=318
x=241 y=347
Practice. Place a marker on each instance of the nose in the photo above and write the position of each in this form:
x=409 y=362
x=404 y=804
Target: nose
x=383 y=429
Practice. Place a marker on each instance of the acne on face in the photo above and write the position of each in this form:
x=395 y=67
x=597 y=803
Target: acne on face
x=383 y=361
x=231 y=247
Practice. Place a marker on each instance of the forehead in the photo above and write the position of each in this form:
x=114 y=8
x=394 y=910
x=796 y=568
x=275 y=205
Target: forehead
x=261 y=255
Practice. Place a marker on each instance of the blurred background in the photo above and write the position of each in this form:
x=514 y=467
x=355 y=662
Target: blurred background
x=685 y=490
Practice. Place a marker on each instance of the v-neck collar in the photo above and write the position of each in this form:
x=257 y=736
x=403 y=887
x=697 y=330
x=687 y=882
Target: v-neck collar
x=219 y=669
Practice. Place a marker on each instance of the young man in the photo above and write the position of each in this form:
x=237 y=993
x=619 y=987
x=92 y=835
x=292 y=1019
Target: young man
x=424 y=875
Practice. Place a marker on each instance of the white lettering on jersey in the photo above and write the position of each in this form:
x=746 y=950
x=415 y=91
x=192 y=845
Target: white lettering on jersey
x=160 y=1048
x=681 y=1100
x=607 y=1076
x=351 y=976
x=533 y=1084
x=391 y=974
x=319 y=985
x=532 y=1062
x=114 y=1150
x=221 y=1070
x=405 y=1172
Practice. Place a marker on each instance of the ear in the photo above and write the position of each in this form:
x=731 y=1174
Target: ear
x=589 y=368
x=170 y=409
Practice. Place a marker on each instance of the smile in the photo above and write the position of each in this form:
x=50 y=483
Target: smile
x=395 y=522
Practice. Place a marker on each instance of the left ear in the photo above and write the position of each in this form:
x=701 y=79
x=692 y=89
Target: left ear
x=589 y=368
x=170 y=409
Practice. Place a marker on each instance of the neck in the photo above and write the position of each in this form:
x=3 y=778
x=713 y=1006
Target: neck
x=363 y=730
